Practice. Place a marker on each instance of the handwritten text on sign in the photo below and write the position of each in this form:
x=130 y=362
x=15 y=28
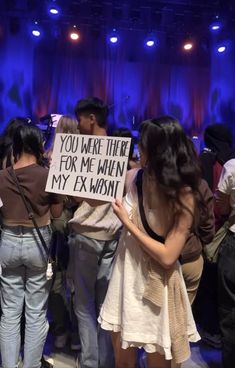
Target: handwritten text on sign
x=89 y=166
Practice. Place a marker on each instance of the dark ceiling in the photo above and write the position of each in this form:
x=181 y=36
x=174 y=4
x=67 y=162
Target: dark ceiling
x=170 y=20
x=178 y=16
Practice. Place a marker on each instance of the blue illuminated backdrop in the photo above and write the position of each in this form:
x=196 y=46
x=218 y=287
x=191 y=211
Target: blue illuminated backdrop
x=48 y=75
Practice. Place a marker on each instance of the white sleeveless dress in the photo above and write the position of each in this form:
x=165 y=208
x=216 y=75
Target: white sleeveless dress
x=141 y=323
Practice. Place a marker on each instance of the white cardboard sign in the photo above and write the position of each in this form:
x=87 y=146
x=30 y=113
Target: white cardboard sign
x=89 y=166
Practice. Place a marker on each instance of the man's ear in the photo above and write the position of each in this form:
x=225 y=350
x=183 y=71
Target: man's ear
x=92 y=118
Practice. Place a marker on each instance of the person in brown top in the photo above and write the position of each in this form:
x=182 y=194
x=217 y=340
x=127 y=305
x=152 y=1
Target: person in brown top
x=6 y=156
x=191 y=257
x=22 y=257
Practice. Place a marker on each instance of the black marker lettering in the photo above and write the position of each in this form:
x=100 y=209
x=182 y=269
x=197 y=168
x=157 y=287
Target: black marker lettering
x=68 y=163
x=59 y=181
x=79 y=184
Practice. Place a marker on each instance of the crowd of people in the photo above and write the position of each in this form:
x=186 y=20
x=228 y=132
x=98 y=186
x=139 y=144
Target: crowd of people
x=130 y=275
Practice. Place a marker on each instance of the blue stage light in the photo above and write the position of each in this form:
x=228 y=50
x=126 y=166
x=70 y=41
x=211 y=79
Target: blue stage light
x=54 y=11
x=36 y=33
x=215 y=27
x=36 y=30
x=221 y=49
x=113 y=39
x=216 y=24
x=150 y=39
x=150 y=43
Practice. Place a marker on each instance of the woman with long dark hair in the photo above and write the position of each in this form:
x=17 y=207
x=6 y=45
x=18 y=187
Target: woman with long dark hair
x=147 y=304
x=6 y=140
x=22 y=256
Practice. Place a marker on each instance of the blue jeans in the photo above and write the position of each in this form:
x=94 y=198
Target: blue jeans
x=92 y=271
x=23 y=282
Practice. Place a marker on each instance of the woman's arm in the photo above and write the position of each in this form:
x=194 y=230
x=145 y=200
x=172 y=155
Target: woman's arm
x=168 y=253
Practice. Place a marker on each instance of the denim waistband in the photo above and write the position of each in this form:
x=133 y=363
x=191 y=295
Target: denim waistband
x=20 y=229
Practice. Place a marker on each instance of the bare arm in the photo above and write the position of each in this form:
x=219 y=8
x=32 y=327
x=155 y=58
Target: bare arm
x=168 y=253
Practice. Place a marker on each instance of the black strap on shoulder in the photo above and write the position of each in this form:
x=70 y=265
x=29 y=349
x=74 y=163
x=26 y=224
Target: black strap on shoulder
x=146 y=226
x=28 y=208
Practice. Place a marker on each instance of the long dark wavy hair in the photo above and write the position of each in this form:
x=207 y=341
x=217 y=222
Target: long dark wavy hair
x=171 y=159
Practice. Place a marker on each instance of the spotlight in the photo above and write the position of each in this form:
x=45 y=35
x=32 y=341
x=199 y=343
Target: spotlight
x=54 y=11
x=188 y=46
x=74 y=35
x=188 y=43
x=113 y=37
x=36 y=32
x=215 y=26
x=53 y=8
x=150 y=43
x=221 y=49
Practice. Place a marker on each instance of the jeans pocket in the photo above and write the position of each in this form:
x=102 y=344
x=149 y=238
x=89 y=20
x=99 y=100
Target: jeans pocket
x=9 y=255
x=35 y=258
x=34 y=254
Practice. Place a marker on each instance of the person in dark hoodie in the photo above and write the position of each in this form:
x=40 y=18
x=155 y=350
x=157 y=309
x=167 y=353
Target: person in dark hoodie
x=218 y=150
x=225 y=204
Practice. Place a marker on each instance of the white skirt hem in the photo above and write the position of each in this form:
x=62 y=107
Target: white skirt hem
x=137 y=343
